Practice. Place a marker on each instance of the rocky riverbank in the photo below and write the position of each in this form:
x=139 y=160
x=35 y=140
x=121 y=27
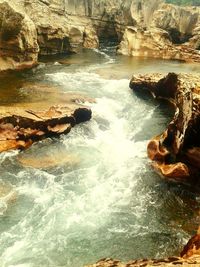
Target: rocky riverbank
x=175 y=153
x=23 y=124
x=142 y=28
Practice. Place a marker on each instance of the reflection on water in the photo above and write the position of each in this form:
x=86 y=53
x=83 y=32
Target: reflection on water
x=92 y=193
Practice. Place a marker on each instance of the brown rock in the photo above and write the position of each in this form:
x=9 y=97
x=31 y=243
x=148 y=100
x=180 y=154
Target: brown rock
x=18 y=39
x=192 y=248
x=156 y=151
x=177 y=171
x=7 y=196
x=48 y=160
x=176 y=151
x=162 y=30
x=156 y=43
x=20 y=126
x=169 y=262
x=149 y=28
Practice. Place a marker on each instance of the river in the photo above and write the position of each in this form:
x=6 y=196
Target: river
x=100 y=197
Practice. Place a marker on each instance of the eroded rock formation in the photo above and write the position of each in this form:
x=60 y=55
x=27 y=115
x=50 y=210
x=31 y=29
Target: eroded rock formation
x=173 y=261
x=22 y=125
x=29 y=28
x=143 y=28
x=175 y=152
x=162 y=31
x=18 y=39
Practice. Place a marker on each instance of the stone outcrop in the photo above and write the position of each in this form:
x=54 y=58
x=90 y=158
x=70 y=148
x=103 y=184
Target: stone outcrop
x=29 y=28
x=22 y=125
x=175 y=152
x=18 y=39
x=155 y=43
x=162 y=31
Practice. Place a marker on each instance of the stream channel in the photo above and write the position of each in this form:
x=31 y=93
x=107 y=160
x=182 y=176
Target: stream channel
x=92 y=193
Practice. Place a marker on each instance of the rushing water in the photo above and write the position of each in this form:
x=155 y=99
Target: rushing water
x=100 y=196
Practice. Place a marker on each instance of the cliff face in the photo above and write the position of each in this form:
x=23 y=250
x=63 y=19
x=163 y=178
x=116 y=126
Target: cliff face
x=143 y=28
x=57 y=26
x=162 y=31
x=18 y=39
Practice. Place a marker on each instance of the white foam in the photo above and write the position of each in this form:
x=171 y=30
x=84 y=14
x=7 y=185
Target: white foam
x=69 y=208
x=101 y=53
x=8 y=154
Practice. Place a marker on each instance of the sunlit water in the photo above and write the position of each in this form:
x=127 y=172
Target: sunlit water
x=104 y=200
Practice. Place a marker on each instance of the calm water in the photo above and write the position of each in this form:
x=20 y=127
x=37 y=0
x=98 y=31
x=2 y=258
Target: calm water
x=99 y=196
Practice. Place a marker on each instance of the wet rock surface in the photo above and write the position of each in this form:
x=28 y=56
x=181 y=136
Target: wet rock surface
x=8 y=196
x=173 y=261
x=175 y=152
x=23 y=124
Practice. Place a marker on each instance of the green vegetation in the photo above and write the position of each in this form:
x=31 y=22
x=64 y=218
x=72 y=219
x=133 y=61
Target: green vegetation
x=184 y=2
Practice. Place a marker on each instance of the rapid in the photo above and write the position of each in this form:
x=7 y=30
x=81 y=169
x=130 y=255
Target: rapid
x=92 y=193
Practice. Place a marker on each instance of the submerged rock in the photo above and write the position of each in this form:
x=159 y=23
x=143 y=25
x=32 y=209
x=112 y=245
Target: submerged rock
x=175 y=152
x=48 y=159
x=23 y=124
x=7 y=196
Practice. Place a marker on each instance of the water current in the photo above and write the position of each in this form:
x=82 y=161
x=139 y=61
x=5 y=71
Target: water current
x=99 y=196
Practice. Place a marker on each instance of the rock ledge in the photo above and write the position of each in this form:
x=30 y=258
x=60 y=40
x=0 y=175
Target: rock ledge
x=21 y=126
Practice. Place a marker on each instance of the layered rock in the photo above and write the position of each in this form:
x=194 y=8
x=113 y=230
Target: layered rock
x=173 y=261
x=162 y=31
x=32 y=27
x=155 y=43
x=175 y=152
x=149 y=28
x=18 y=39
x=22 y=125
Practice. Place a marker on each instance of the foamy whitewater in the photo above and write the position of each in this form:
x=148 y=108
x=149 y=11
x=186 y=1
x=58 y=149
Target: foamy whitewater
x=104 y=200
